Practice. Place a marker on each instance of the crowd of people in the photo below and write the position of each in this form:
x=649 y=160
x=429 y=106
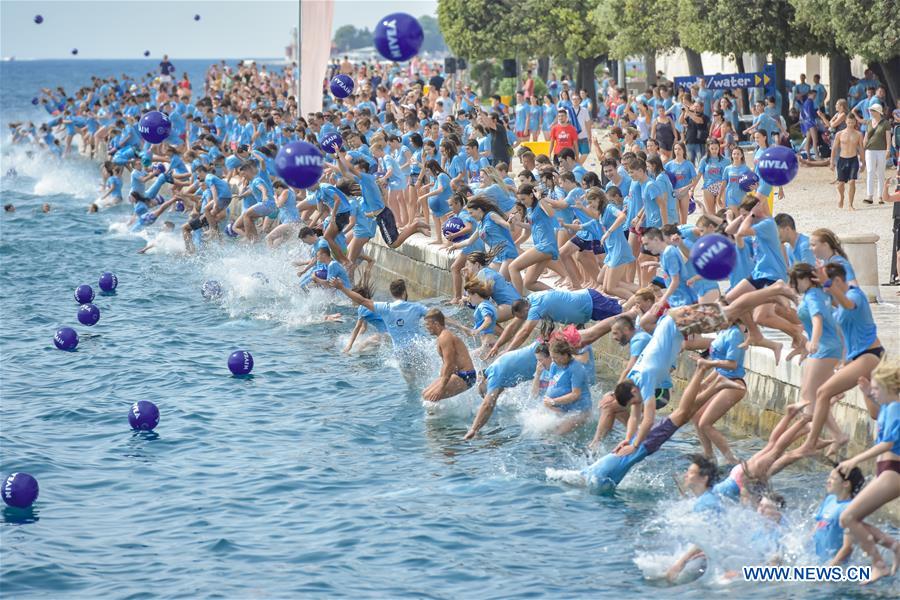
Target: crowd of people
x=549 y=254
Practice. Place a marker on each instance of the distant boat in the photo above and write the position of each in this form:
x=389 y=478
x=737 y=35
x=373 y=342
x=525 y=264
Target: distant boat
x=9 y=58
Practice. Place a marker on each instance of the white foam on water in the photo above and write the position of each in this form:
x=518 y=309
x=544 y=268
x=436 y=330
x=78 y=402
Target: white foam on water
x=567 y=476
x=51 y=176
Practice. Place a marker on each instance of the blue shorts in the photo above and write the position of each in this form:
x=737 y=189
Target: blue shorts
x=584 y=147
x=595 y=246
x=603 y=306
x=265 y=209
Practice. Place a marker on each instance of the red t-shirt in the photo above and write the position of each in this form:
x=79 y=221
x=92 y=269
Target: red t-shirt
x=565 y=136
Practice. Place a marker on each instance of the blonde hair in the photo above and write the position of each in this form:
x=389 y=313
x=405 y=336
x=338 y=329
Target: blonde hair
x=887 y=374
x=492 y=175
x=827 y=236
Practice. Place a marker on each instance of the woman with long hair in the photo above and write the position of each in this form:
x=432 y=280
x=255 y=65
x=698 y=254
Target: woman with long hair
x=827 y=248
x=543 y=233
x=493 y=230
x=438 y=199
x=712 y=170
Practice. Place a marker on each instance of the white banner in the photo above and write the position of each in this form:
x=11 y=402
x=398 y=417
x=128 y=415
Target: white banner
x=315 y=51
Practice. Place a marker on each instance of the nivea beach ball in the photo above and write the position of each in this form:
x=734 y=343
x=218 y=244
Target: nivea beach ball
x=452 y=226
x=229 y=231
x=74 y=51
x=300 y=164
x=35 y=101
x=88 y=314
x=154 y=126
x=330 y=141
x=146 y=53
x=398 y=36
x=84 y=294
x=38 y=19
x=66 y=338
x=211 y=289
x=109 y=282
x=240 y=362
x=341 y=85
x=747 y=181
x=196 y=17
x=321 y=274
x=143 y=415
x=714 y=256
x=777 y=165
x=20 y=490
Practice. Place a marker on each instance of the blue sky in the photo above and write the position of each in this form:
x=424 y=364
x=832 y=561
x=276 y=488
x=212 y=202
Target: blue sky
x=125 y=28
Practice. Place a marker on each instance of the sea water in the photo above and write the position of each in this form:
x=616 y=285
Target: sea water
x=322 y=474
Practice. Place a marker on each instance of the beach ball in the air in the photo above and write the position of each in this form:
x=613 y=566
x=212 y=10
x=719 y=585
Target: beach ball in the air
x=66 y=338
x=38 y=19
x=341 y=85
x=714 y=256
x=74 y=51
x=109 y=282
x=88 y=314
x=146 y=53
x=452 y=226
x=20 y=490
x=300 y=164
x=155 y=126
x=330 y=141
x=196 y=17
x=240 y=362
x=398 y=36
x=777 y=165
x=84 y=294
x=144 y=415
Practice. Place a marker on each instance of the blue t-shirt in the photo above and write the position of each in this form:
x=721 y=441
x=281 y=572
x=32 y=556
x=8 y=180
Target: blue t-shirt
x=565 y=379
x=733 y=192
x=543 y=231
x=815 y=302
x=336 y=270
x=888 y=425
x=673 y=263
x=222 y=188
x=727 y=346
x=486 y=309
x=402 y=319
x=768 y=252
x=856 y=323
x=504 y=292
x=829 y=535
x=712 y=170
x=652 y=213
x=708 y=501
x=684 y=172
x=840 y=260
x=560 y=305
x=365 y=226
x=801 y=252
x=371 y=193
x=371 y=318
x=655 y=362
x=511 y=368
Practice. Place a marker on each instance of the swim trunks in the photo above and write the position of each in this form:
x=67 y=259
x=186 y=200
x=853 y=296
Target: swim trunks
x=699 y=318
x=468 y=376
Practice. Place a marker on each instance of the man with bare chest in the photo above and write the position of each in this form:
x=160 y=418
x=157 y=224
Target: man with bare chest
x=457 y=371
x=847 y=158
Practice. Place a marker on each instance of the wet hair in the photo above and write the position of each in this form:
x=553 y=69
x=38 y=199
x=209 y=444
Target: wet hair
x=435 y=315
x=398 y=288
x=623 y=392
x=830 y=238
x=483 y=259
x=803 y=270
x=785 y=220
x=706 y=467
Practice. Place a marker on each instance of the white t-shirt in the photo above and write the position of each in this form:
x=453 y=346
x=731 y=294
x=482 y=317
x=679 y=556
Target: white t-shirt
x=584 y=117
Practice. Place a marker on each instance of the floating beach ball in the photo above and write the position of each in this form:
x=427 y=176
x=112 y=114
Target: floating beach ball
x=109 y=282
x=196 y=17
x=211 y=289
x=398 y=36
x=155 y=126
x=20 y=490
x=240 y=362
x=322 y=274
x=146 y=53
x=144 y=415
x=34 y=101
x=88 y=314
x=84 y=294
x=38 y=19
x=777 y=165
x=341 y=85
x=66 y=338
x=714 y=256
x=300 y=164
x=452 y=226
x=330 y=140
x=74 y=51
x=747 y=181
x=229 y=230
x=179 y=206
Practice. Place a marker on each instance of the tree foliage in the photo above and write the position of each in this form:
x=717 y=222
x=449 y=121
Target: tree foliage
x=870 y=28
x=434 y=39
x=348 y=37
x=638 y=26
x=737 y=26
x=483 y=29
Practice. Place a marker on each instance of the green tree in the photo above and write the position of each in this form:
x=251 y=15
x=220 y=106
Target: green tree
x=484 y=29
x=434 y=39
x=871 y=28
x=345 y=38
